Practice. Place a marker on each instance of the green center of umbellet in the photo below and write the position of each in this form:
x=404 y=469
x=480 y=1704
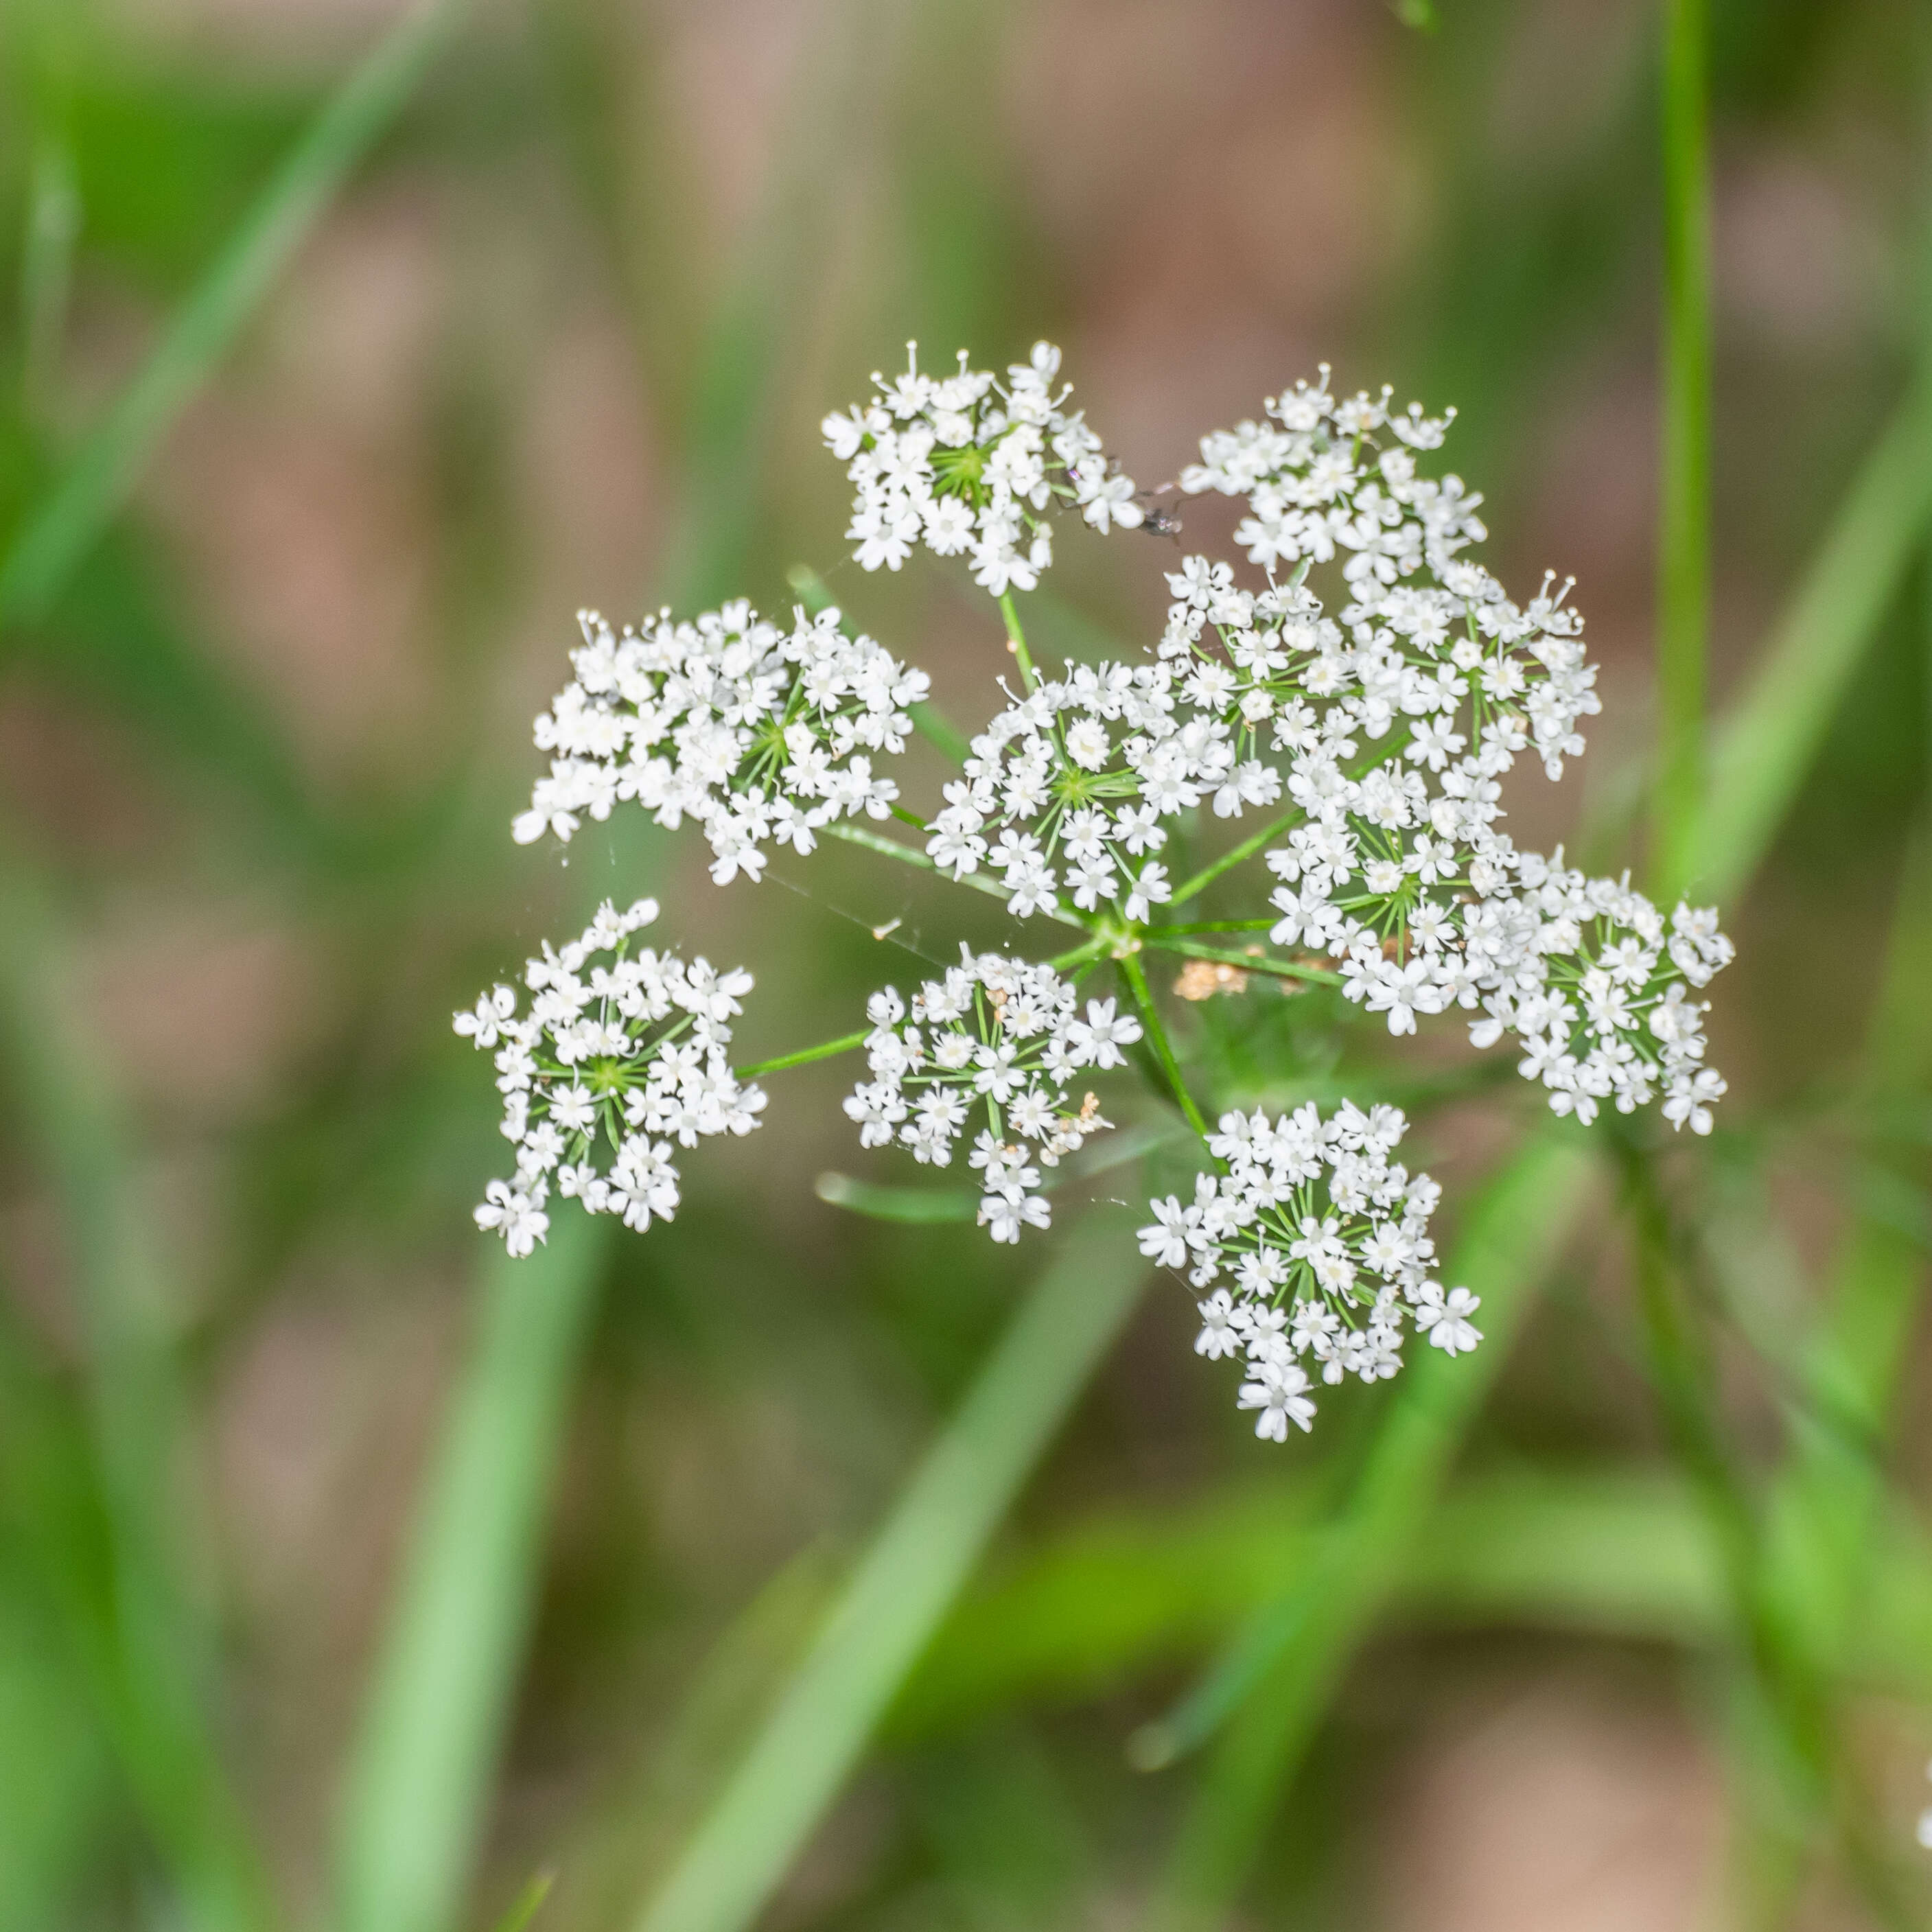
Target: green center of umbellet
x=958 y=473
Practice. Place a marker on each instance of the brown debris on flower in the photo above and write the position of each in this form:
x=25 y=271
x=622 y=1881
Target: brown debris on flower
x=1202 y=979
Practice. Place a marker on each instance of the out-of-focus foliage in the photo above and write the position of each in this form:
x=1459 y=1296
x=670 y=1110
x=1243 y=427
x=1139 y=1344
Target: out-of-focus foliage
x=810 y=1555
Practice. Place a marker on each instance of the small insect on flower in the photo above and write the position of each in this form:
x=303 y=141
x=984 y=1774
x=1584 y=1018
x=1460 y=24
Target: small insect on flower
x=1001 y=1041
x=621 y=1054
x=1316 y=1245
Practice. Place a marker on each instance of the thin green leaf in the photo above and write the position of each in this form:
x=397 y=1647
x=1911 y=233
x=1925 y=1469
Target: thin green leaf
x=528 y=1904
x=1136 y=1589
x=1831 y=1496
x=1769 y=737
x=441 y=1692
x=902 y=1587
x=131 y=1620
x=59 y=535
x=916 y=1206
x=59 y=1791
x=1684 y=492
x=424 y=1756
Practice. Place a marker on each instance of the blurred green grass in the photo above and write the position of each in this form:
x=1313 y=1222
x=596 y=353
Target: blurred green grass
x=135 y=1680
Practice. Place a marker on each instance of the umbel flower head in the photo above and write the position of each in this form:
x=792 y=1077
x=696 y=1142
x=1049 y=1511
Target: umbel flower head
x=1366 y=691
x=621 y=1053
x=999 y=1041
x=1077 y=776
x=966 y=466
x=1322 y=1242
x=761 y=735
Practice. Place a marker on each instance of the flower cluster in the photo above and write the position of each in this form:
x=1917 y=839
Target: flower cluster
x=1323 y=1241
x=1368 y=694
x=760 y=735
x=1002 y=1038
x=620 y=1051
x=1585 y=973
x=1079 y=773
x=964 y=465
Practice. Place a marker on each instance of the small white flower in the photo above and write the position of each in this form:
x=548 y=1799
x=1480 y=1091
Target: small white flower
x=517 y=1214
x=1220 y=1332
x=1277 y=1391
x=1447 y=1318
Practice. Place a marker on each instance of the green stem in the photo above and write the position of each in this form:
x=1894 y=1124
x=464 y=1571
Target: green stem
x=1247 y=848
x=875 y=841
x=1081 y=954
x=803 y=1057
x=1136 y=979
x=445 y=1681
x=911 y=818
x=1248 y=962
x=1683 y=588
x=1016 y=640
x=1157 y=932
x=890 y=848
x=1786 y=1709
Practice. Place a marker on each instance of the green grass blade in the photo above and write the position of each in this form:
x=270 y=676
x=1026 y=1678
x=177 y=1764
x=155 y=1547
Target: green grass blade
x=58 y=536
x=133 y=1620
x=900 y=1591
x=1831 y=1496
x=1684 y=492
x=448 y=1605
x=1769 y=737
x=1282 y=1676
x=916 y=1206
x=441 y=1698
x=59 y=1788
x=1606 y=1553
x=527 y=1904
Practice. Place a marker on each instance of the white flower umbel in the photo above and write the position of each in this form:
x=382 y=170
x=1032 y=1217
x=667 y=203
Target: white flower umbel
x=1063 y=792
x=761 y=735
x=965 y=465
x=1394 y=723
x=998 y=1041
x=1423 y=634
x=1369 y=694
x=621 y=1053
x=1320 y=1243
x=1584 y=972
